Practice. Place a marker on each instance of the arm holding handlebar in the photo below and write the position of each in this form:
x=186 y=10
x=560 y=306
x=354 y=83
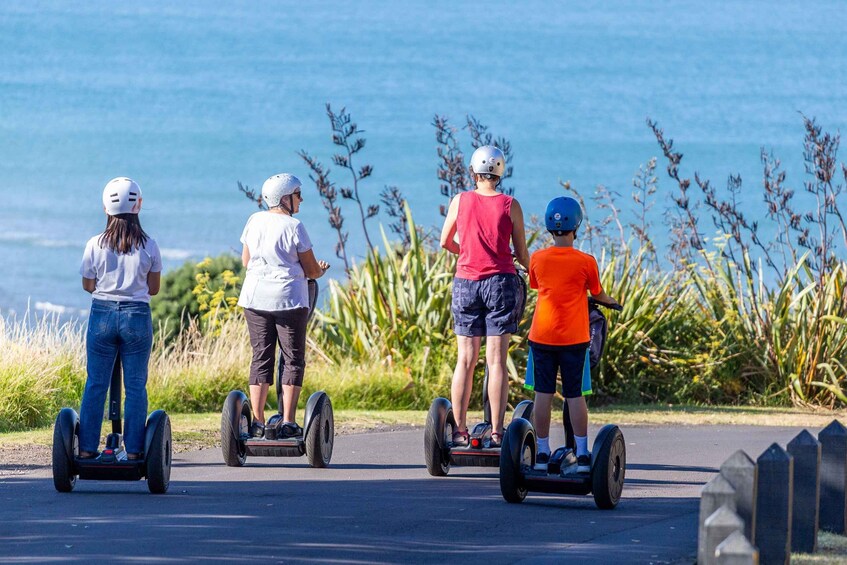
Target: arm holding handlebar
x=604 y=299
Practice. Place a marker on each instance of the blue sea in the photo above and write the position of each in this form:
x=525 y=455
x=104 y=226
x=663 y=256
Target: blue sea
x=190 y=97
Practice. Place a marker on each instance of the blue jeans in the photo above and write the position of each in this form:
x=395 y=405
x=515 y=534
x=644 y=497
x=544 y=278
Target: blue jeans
x=125 y=328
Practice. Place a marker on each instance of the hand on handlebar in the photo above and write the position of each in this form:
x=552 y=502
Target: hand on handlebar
x=610 y=305
x=323 y=265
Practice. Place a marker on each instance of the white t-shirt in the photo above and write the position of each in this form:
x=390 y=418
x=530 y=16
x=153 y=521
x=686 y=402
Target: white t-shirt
x=120 y=276
x=275 y=279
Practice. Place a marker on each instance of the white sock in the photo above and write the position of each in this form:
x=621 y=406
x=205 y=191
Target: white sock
x=544 y=445
x=581 y=445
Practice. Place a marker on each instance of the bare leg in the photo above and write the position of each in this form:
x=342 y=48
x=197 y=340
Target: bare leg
x=290 y=396
x=496 y=353
x=541 y=413
x=463 y=378
x=258 y=397
x=579 y=415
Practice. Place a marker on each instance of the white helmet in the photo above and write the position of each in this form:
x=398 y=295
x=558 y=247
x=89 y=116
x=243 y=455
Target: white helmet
x=488 y=160
x=278 y=186
x=122 y=195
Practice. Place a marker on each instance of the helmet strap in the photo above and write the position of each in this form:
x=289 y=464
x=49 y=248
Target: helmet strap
x=288 y=210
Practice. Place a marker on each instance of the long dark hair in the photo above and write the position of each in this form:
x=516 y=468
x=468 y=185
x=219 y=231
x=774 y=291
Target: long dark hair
x=123 y=233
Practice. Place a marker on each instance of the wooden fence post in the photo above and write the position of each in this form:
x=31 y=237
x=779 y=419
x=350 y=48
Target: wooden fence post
x=740 y=471
x=833 y=509
x=723 y=522
x=806 y=451
x=736 y=550
x=773 y=505
x=716 y=493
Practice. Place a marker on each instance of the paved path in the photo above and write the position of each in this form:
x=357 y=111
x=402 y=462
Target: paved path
x=376 y=503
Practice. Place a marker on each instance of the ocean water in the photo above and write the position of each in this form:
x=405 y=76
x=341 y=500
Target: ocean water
x=188 y=98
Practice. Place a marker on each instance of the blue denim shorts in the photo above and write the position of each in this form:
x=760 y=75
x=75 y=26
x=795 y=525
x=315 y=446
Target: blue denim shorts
x=491 y=306
x=545 y=362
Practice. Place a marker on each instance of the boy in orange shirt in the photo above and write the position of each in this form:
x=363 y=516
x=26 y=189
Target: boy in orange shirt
x=559 y=336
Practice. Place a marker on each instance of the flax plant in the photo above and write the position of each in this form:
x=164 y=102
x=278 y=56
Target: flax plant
x=413 y=317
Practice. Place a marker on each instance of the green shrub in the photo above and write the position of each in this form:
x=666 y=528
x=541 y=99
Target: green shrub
x=176 y=304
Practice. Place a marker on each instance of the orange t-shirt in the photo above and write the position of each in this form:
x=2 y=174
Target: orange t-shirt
x=562 y=276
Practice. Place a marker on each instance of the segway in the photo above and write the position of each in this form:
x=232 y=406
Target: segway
x=112 y=464
x=318 y=429
x=519 y=474
x=440 y=452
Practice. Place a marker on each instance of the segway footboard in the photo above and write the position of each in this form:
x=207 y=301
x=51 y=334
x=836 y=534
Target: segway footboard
x=470 y=457
x=539 y=481
x=115 y=471
x=293 y=447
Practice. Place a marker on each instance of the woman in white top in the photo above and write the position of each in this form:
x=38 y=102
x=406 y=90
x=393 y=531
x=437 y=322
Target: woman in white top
x=279 y=259
x=121 y=268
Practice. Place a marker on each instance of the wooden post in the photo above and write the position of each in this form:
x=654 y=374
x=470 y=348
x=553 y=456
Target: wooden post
x=740 y=471
x=716 y=493
x=833 y=509
x=736 y=550
x=773 y=505
x=806 y=452
x=718 y=527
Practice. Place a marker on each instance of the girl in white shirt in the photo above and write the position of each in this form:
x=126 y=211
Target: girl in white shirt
x=121 y=268
x=278 y=255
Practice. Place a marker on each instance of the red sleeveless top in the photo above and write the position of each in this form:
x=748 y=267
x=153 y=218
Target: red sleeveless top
x=484 y=226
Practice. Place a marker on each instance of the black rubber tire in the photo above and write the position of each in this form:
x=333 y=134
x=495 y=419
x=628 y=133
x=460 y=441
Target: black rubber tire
x=158 y=459
x=233 y=447
x=526 y=410
x=608 y=469
x=64 y=478
x=320 y=436
x=518 y=450
x=436 y=456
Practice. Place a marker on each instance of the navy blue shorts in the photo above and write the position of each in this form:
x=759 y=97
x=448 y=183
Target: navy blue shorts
x=491 y=306
x=546 y=361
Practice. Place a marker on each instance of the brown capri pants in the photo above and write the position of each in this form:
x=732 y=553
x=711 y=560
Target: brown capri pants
x=288 y=327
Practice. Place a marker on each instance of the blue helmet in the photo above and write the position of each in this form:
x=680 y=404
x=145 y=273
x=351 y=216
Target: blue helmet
x=563 y=214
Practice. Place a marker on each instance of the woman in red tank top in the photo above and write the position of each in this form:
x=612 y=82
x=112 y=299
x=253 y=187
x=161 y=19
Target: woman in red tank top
x=487 y=296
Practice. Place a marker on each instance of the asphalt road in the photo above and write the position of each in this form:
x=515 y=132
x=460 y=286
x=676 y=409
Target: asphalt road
x=376 y=503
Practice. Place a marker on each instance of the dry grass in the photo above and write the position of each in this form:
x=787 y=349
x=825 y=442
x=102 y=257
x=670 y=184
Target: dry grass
x=653 y=414
x=832 y=550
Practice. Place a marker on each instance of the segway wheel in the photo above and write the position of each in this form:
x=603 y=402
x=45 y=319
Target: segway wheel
x=608 y=467
x=235 y=424
x=438 y=432
x=321 y=434
x=158 y=458
x=516 y=454
x=524 y=410
x=64 y=432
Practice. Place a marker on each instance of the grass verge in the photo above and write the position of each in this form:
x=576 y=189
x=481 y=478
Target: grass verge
x=832 y=550
x=196 y=431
